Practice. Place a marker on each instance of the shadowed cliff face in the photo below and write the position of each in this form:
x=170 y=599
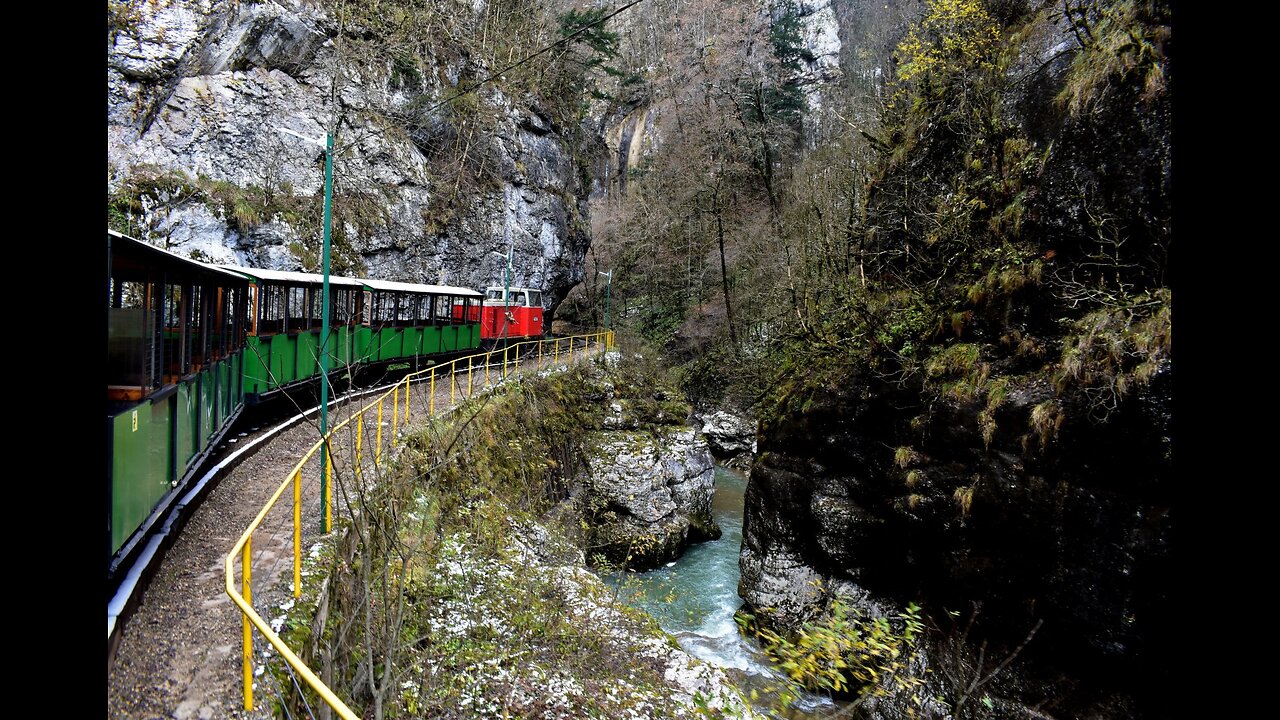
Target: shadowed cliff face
x=1078 y=540
x=1037 y=498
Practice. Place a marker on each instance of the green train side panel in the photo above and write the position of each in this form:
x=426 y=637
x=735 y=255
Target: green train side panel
x=389 y=342
x=362 y=346
x=284 y=362
x=339 y=347
x=449 y=338
x=140 y=467
x=221 y=373
x=186 y=419
x=257 y=355
x=306 y=354
x=473 y=342
x=208 y=408
x=412 y=342
x=235 y=386
x=430 y=340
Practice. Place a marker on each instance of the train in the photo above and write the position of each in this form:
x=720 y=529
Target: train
x=191 y=344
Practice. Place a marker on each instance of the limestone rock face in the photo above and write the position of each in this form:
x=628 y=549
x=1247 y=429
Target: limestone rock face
x=820 y=33
x=649 y=496
x=199 y=94
x=729 y=434
x=732 y=438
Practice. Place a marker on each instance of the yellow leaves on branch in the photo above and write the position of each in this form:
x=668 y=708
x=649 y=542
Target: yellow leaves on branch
x=952 y=36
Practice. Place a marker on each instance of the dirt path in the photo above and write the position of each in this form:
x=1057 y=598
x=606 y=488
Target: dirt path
x=179 y=654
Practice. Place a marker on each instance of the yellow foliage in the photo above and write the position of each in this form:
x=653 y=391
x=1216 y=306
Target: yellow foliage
x=952 y=36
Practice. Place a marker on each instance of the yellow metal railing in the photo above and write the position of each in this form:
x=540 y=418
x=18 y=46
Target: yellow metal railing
x=243 y=547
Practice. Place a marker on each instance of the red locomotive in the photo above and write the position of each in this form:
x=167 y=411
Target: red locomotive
x=507 y=315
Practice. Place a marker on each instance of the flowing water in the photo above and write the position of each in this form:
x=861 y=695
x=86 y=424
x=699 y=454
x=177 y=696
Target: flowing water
x=694 y=599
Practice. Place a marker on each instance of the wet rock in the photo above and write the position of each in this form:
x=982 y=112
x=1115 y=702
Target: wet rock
x=732 y=438
x=648 y=496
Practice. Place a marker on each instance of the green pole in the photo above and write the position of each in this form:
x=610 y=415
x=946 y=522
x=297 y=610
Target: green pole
x=324 y=334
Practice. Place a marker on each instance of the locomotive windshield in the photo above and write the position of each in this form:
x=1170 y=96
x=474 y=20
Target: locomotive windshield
x=493 y=294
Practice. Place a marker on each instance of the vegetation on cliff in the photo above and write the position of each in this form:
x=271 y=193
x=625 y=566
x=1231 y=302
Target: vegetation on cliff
x=959 y=329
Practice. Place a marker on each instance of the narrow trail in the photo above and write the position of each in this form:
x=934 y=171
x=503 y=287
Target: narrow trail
x=179 y=654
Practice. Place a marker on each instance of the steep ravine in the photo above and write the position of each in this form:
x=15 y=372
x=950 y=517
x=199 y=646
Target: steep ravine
x=997 y=447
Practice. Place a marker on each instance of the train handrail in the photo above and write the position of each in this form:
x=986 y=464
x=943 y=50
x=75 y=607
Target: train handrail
x=243 y=547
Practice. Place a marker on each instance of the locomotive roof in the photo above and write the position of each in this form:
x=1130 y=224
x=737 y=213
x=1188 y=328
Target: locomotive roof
x=397 y=286
x=289 y=276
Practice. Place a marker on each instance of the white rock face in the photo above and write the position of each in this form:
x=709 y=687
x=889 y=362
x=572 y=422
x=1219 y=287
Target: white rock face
x=652 y=497
x=729 y=435
x=202 y=90
x=821 y=34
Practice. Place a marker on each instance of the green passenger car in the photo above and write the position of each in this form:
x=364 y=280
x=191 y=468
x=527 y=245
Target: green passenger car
x=190 y=344
x=175 y=340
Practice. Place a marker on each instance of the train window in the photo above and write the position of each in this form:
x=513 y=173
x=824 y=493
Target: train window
x=296 y=310
x=315 y=307
x=406 y=309
x=535 y=298
x=384 y=308
x=131 y=348
x=493 y=294
x=444 y=309
x=128 y=294
x=236 y=308
x=343 y=306
x=517 y=298
x=271 y=307
x=196 y=329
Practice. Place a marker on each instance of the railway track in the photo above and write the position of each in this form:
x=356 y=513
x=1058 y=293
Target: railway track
x=174 y=650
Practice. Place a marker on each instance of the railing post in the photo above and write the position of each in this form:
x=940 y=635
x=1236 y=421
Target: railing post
x=328 y=486
x=377 y=453
x=395 y=413
x=406 y=401
x=297 y=533
x=432 y=409
x=359 y=439
x=246 y=590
